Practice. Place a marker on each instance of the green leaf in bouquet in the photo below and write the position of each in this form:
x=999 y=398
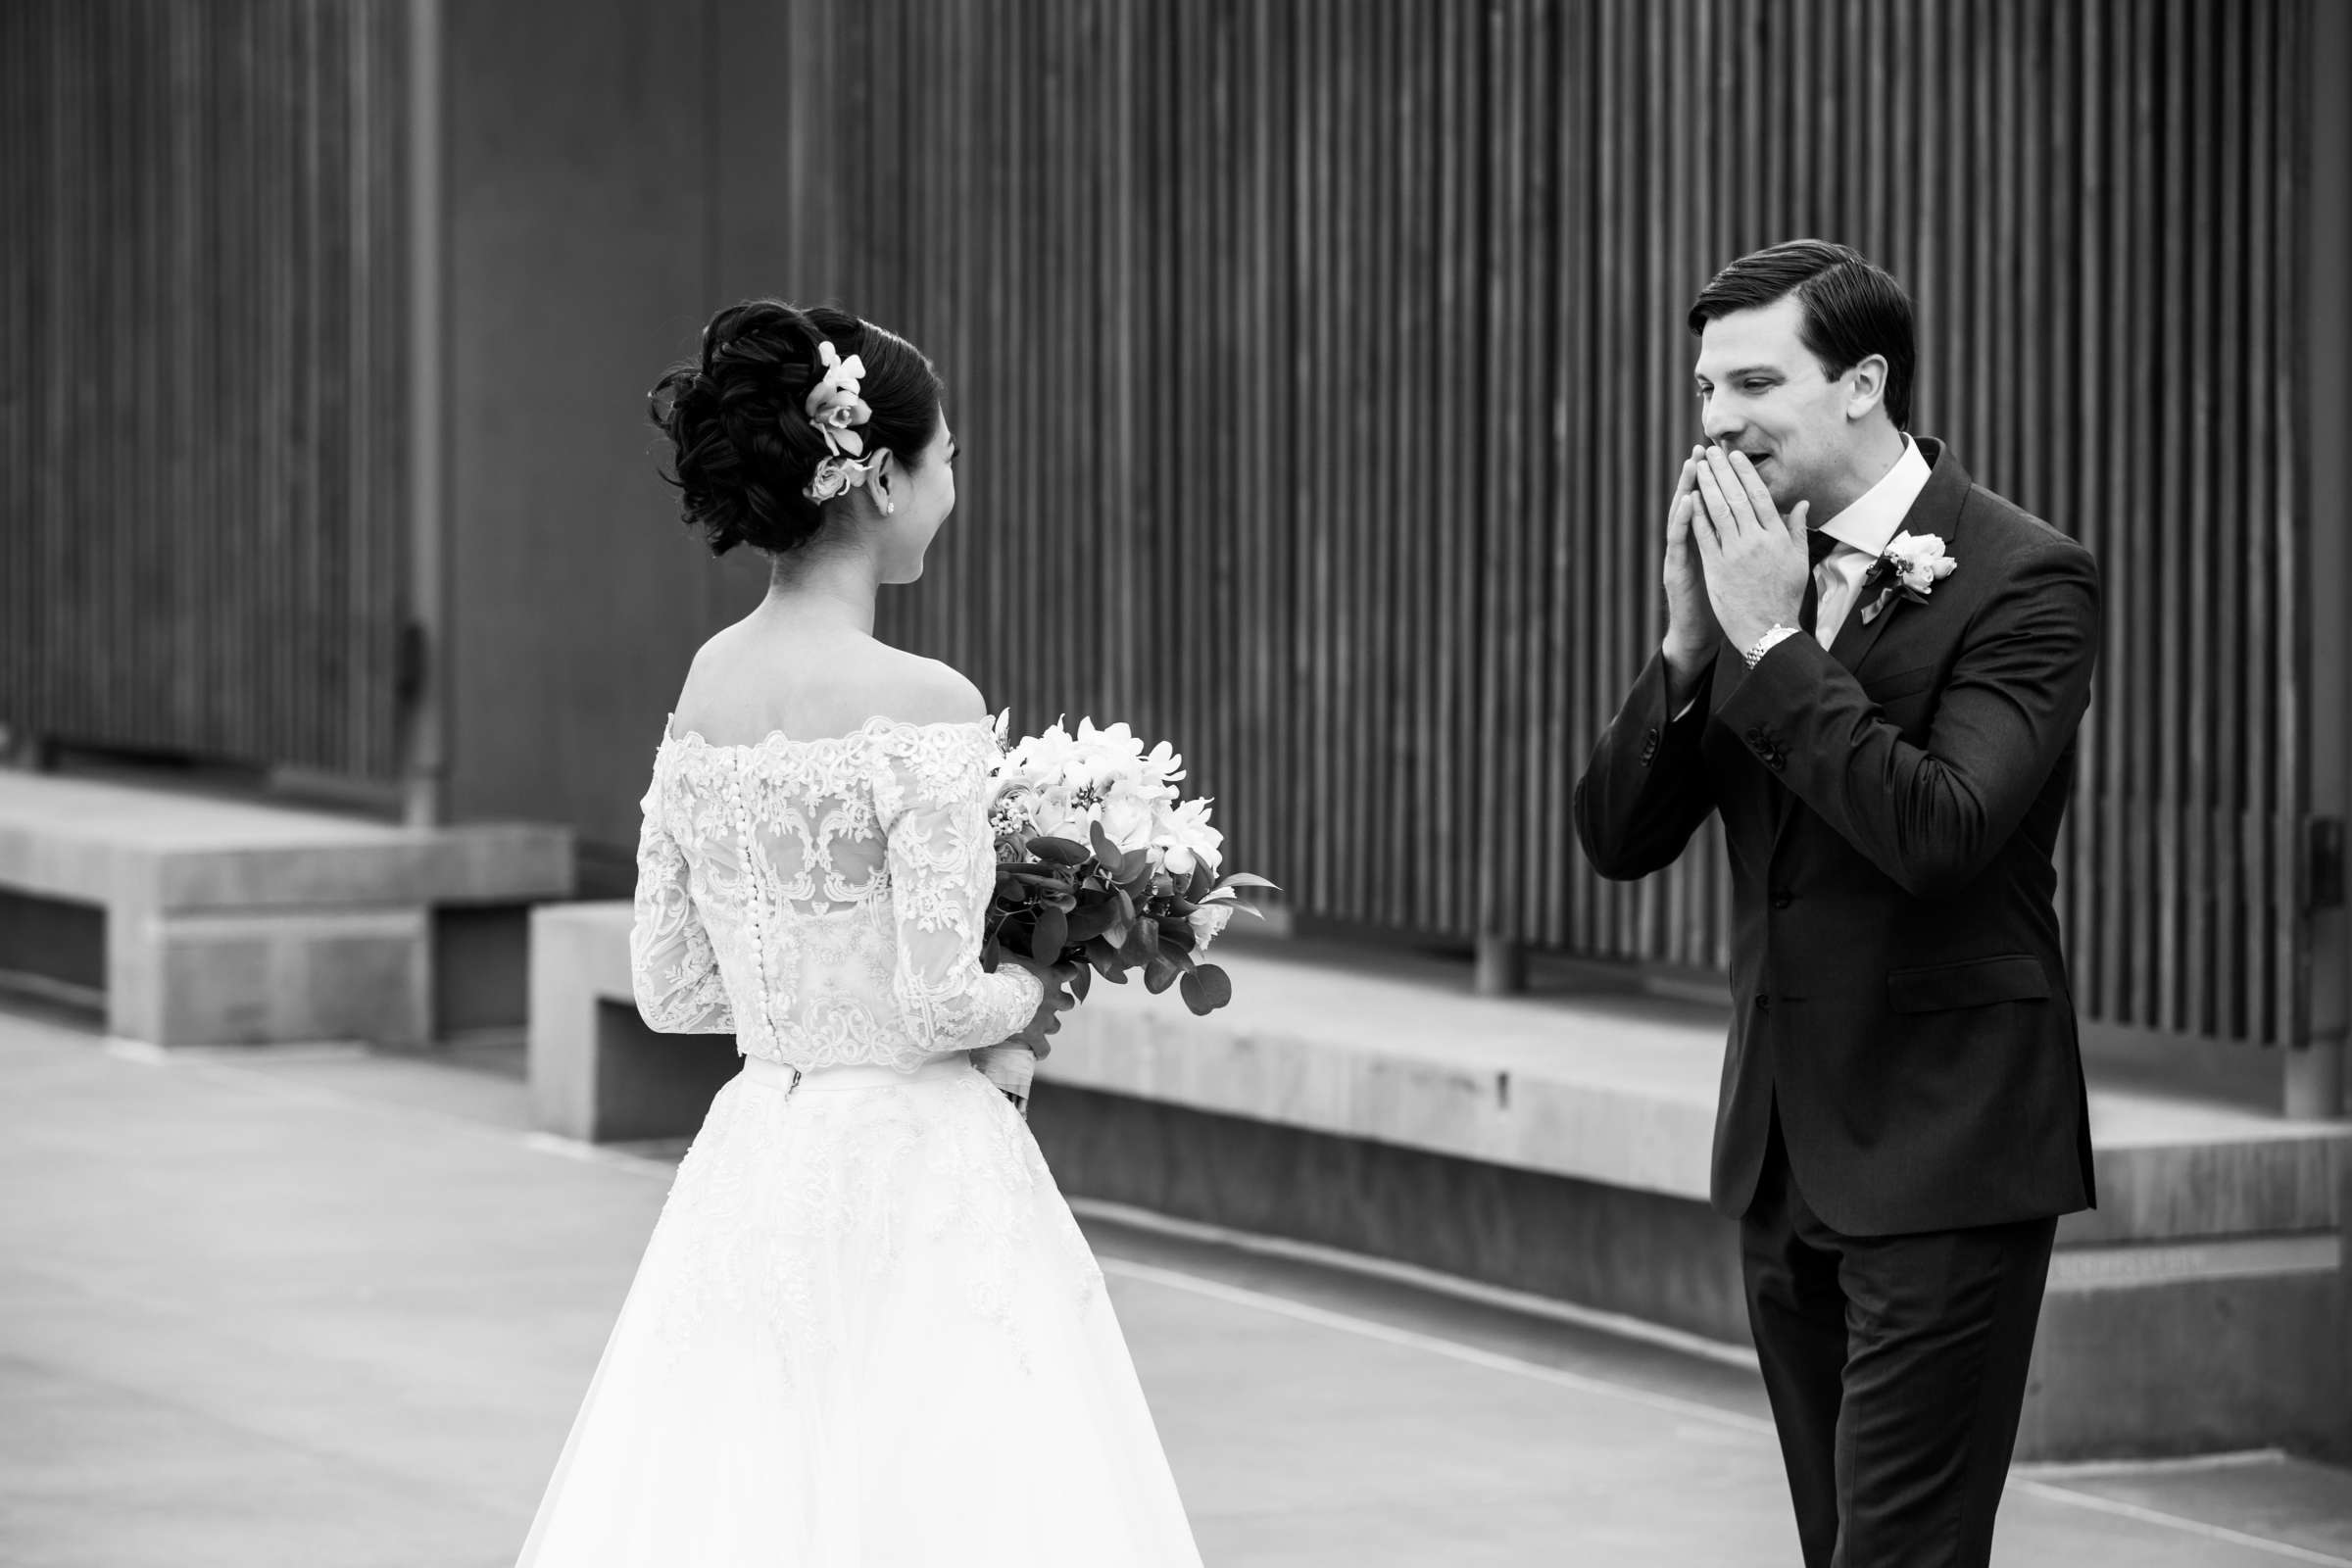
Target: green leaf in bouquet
x=1104 y=850
x=1143 y=941
x=1091 y=918
x=1052 y=934
x=1178 y=951
x=1202 y=882
x=1135 y=867
x=1206 y=988
x=1105 y=956
x=1245 y=879
x=1159 y=974
x=1061 y=852
x=1080 y=979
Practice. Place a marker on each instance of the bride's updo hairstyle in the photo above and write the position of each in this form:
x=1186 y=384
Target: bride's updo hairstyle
x=744 y=447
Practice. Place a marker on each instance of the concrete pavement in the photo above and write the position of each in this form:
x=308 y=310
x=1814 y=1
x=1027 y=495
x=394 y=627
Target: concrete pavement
x=335 y=1310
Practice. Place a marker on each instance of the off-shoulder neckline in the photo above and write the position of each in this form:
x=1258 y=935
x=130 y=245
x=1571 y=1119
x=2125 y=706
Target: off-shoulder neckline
x=879 y=724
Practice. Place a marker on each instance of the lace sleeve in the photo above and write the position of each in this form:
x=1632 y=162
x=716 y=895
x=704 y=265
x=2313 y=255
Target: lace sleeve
x=671 y=965
x=931 y=798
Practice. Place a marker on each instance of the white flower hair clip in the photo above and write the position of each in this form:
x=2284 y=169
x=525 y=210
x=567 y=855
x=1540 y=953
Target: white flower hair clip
x=835 y=409
x=836 y=475
x=834 y=406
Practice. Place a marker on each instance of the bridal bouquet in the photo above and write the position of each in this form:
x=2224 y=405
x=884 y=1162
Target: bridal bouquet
x=1102 y=868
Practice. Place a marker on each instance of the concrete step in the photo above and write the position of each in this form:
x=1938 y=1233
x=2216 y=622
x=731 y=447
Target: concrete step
x=199 y=921
x=1559 y=1147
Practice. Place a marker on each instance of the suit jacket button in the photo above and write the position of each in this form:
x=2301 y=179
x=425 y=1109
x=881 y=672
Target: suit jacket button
x=1763 y=1002
x=1781 y=900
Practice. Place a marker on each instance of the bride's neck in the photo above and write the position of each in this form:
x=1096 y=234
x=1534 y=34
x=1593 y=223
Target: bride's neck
x=835 y=585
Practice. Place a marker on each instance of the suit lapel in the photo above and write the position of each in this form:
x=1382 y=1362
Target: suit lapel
x=1937 y=511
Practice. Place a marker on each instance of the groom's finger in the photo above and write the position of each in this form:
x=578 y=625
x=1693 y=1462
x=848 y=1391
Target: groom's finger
x=1696 y=513
x=1718 y=512
x=1704 y=536
x=1685 y=483
x=1678 y=517
x=1728 y=487
x=1744 y=469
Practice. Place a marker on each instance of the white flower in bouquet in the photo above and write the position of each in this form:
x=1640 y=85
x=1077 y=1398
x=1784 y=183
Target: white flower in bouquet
x=1110 y=742
x=1162 y=765
x=1130 y=815
x=1052 y=758
x=1185 y=839
x=1209 y=920
x=1036 y=760
x=1056 y=813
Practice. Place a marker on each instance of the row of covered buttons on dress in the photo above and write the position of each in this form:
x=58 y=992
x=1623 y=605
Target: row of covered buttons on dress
x=741 y=813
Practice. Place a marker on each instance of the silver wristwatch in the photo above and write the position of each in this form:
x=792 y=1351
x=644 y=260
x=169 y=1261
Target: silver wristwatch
x=1764 y=644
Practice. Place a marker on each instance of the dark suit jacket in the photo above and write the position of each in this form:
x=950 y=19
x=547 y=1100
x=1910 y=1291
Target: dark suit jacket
x=1891 y=805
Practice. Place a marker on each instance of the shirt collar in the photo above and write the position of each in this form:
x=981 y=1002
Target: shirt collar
x=1871 y=523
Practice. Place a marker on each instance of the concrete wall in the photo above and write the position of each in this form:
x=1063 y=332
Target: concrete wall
x=580 y=258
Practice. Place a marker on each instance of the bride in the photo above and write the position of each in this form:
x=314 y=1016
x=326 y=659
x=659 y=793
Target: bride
x=867 y=1330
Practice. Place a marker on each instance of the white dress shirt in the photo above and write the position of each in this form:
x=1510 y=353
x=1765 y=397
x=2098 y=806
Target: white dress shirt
x=1863 y=532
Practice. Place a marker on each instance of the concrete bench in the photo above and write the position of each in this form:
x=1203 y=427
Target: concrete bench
x=597 y=1072
x=195 y=920
x=1559 y=1146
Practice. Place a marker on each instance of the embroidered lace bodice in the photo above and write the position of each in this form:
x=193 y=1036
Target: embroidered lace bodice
x=822 y=899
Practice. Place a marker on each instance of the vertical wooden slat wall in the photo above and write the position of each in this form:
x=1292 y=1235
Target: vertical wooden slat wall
x=1321 y=375
x=201 y=361
x=1320 y=372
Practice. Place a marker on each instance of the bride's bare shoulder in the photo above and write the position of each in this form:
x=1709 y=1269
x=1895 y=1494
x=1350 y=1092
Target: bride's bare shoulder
x=740 y=688
x=924 y=691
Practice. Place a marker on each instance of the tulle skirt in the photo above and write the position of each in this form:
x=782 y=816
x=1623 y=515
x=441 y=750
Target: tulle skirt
x=866 y=1333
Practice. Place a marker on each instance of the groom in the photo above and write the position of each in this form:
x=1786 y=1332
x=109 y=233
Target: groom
x=1874 y=668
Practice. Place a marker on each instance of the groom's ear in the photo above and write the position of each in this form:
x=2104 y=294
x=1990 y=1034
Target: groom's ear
x=1866 y=386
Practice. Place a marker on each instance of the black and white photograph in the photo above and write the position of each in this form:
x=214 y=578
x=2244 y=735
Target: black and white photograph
x=1175 y=783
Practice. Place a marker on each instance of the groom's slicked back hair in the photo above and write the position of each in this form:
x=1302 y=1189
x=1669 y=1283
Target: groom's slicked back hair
x=1850 y=308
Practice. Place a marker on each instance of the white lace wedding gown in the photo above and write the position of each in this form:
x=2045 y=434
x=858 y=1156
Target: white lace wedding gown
x=867 y=1330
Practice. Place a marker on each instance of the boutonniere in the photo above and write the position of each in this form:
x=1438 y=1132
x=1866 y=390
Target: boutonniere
x=1910 y=570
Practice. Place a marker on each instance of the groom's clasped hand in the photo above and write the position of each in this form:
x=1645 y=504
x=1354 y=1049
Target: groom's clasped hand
x=1733 y=561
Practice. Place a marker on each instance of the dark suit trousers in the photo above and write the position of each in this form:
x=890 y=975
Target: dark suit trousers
x=1897 y=1367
